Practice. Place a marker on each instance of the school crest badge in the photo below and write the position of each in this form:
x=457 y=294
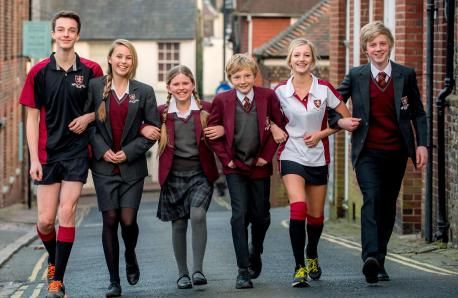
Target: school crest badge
x=133 y=98
x=79 y=82
x=267 y=124
x=317 y=103
x=404 y=103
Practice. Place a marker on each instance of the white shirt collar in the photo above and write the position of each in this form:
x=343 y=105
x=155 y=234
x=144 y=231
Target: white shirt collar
x=241 y=96
x=173 y=108
x=290 y=87
x=387 y=70
x=122 y=94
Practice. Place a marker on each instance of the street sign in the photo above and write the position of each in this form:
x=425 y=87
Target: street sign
x=36 y=39
x=223 y=86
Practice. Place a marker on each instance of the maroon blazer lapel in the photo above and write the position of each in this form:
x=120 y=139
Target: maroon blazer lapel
x=229 y=123
x=170 y=124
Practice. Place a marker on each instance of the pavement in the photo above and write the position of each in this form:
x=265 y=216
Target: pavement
x=17 y=229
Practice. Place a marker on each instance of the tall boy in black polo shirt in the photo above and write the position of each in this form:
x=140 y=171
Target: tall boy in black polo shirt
x=55 y=94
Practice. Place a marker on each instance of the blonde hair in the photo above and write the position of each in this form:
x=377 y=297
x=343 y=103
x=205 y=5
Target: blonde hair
x=171 y=74
x=101 y=111
x=301 y=41
x=239 y=62
x=371 y=31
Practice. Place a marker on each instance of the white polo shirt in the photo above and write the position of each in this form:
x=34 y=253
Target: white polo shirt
x=305 y=117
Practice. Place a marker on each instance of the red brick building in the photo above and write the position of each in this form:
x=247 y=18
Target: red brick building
x=13 y=152
x=313 y=25
x=408 y=22
x=256 y=22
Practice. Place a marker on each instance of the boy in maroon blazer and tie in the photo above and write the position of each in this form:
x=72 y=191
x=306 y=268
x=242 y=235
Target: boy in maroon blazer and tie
x=246 y=154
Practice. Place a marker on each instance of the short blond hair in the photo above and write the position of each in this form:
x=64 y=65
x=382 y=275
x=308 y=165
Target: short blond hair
x=301 y=41
x=239 y=62
x=371 y=31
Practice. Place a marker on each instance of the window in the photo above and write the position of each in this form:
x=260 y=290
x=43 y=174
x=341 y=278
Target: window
x=169 y=56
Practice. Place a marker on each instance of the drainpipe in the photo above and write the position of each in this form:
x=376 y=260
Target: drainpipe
x=428 y=219
x=250 y=35
x=441 y=104
x=24 y=121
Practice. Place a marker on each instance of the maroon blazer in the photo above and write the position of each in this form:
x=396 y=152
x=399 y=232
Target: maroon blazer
x=223 y=113
x=207 y=158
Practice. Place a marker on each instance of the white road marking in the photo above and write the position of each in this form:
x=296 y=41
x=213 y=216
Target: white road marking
x=390 y=256
x=18 y=293
x=220 y=201
x=37 y=267
x=36 y=292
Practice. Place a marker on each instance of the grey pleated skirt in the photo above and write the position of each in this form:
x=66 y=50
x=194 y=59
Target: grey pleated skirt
x=181 y=191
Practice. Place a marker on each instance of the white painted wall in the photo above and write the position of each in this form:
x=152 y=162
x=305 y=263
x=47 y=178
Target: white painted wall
x=213 y=59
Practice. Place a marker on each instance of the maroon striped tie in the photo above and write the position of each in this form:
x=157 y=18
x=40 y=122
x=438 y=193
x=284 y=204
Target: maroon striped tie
x=381 y=79
x=246 y=104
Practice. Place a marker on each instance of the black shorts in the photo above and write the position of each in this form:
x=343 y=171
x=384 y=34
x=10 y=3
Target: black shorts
x=65 y=170
x=311 y=175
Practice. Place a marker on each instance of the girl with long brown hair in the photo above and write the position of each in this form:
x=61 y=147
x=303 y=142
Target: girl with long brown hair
x=119 y=164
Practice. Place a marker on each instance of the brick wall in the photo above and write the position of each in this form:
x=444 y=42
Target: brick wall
x=409 y=52
x=264 y=29
x=336 y=73
x=13 y=173
x=409 y=45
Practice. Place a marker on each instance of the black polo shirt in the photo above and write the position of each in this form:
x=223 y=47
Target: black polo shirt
x=60 y=96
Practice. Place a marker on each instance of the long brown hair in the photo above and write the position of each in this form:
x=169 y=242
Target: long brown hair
x=101 y=111
x=171 y=74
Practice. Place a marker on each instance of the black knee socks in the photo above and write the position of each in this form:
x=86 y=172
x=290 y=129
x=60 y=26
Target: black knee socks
x=314 y=234
x=297 y=235
x=49 y=242
x=65 y=238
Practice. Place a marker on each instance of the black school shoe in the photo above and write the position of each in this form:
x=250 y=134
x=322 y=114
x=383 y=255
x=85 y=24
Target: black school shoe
x=371 y=268
x=243 y=280
x=198 y=279
x=382 y=275
x=114 y=290
x=255 y=266
x=132 y=270
x=184 y=282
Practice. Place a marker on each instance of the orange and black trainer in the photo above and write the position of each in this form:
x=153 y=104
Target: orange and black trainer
x=56 y=289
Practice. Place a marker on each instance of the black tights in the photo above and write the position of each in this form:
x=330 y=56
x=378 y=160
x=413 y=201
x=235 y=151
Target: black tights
x=127 y=217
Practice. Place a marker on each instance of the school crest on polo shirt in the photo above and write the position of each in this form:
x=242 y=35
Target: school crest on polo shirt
x=317 y=103
x=79 y=82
